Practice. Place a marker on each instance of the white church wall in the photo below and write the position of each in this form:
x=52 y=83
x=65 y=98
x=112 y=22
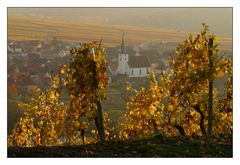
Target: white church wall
x=139 y=72
x=123 y=67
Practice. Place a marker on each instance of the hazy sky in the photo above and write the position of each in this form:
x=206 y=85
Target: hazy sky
x=182 y=19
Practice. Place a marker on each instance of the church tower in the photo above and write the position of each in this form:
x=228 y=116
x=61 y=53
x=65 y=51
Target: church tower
x=123 y=67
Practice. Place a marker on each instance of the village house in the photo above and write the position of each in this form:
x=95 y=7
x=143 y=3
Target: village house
x=12 y=89
x=131 y=65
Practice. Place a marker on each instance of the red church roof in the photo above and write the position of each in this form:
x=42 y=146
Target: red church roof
x=138 y=62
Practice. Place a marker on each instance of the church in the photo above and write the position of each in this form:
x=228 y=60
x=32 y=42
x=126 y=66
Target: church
x=132 y=65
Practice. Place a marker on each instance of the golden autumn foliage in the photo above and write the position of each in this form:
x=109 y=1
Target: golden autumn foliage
x=43 y=119
x=178 y=104
x=86 y=80
x=223 y=116
x=144 y=111
x=174 y=103
x=46 y=121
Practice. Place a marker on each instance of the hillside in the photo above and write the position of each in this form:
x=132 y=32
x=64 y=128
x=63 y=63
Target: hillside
x=157 y=146
x=32 y=28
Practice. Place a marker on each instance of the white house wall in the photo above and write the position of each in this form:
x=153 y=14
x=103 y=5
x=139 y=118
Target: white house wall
x=135 y=72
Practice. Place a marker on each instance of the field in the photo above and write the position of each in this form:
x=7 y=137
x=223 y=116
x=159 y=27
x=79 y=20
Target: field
x=30 y=28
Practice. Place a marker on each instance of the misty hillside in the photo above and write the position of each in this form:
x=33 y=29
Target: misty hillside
x=30 y=28
x=181 y=19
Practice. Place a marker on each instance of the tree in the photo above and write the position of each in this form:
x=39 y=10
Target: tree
x=143 y=115
x=46 y=121
x=223 y=123
x=86 y=80
x=193 y=73
x=43 y=119
x=183 y=100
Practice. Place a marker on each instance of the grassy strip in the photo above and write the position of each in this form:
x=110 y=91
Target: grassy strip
x=156 y=146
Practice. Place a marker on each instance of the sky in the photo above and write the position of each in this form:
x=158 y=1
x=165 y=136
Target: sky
x=182 y=19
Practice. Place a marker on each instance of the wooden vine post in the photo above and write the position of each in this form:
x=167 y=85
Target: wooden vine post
x=210 y=85
x=99 y=118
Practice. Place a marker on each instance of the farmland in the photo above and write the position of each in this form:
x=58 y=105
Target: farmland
x=30 y=28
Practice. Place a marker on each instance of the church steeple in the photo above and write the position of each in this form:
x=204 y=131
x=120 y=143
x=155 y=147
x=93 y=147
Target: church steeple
x=123 y=46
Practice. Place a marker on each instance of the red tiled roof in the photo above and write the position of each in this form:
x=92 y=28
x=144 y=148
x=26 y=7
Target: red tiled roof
x=138 y=62
x=14 y=77
x=12 y=85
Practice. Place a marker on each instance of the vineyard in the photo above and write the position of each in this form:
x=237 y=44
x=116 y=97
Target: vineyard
x=179 y=114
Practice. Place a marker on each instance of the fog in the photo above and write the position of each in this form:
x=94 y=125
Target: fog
x=182 y=19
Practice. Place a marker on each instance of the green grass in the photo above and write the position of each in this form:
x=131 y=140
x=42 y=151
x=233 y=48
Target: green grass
x=156 y=146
